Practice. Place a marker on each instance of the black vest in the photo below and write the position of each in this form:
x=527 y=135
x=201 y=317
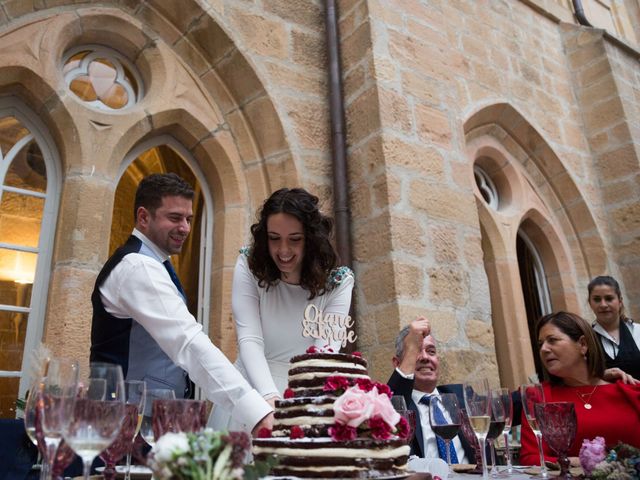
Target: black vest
x=628 y=357
x=125 y=342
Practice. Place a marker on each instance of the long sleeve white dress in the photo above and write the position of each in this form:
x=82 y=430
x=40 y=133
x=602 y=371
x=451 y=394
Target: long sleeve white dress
x=269 y=328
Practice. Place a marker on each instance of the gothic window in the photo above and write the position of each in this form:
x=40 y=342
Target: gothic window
x=486 y=186
x=102 y=78
x=28 y=204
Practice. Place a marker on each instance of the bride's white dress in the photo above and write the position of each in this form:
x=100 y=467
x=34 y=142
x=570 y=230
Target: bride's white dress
x=269 y=329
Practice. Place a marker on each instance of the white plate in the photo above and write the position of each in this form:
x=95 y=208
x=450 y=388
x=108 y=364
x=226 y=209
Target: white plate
x=139 y=472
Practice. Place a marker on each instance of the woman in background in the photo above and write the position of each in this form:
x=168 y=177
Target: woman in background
x=573 y=362
x=290 y=264
x=618 y=334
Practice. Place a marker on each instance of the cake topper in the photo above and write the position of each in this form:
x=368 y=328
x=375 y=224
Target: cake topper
x=331 y=327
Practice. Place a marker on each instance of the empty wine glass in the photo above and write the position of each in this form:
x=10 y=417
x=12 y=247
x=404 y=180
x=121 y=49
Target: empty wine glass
x=558 y=424
x=445 y=419
x=399 y=403
x=507 y=402
x=135 y=395
x=146 y=425
x=122 y=443
x=496 y=427
x=58 y=397
x=98 y=413
x=532 y=394
x=400 y=406
x=477 y=399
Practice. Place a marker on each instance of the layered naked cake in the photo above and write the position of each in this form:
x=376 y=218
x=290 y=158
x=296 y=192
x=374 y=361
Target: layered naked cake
x=334 y=422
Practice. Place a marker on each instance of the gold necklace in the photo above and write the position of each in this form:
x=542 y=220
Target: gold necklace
x=586 y=397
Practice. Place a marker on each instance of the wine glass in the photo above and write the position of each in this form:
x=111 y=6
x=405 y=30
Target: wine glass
x=57 y=401
x=179 y=415
x=558 y=425
x=122 y=443
x=507 y=402
x=135 y=395
x=470 y=436
x=98 y=413
x=477 y=399
x=400 y=406
x=445 y=419
x=496 y=427
x=399 y=403
x=532 y=394
x=146 y=425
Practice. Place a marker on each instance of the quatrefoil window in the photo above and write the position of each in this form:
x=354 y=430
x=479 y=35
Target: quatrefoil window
x=102 y=78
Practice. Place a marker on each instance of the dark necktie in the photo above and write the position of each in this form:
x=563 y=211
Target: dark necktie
x=442 y=446
x=174 y=278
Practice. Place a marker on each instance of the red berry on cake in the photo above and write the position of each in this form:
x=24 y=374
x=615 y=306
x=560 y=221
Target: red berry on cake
x=288 y=393
x=296 y=432
x=264 y=432
x=312 y=349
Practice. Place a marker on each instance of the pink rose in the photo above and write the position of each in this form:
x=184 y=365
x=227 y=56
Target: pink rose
x=382 y=407
x=592 y=452
x=353 y=407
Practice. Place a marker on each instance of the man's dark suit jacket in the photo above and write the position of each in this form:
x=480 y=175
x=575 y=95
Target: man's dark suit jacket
x=404 y=386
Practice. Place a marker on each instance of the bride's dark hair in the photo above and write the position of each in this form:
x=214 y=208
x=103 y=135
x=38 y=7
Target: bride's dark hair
x=319 y=255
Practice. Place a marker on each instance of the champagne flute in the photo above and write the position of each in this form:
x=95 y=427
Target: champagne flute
x=496 y=427
x=58 y=397
x=445 y=419
x=532 y=394
x=477 y=399
x=507 y=403
x=146 y=425
x=135 y=395
x=98 y=413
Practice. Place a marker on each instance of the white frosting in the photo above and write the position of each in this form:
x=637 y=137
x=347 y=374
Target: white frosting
x=312 y=407
x=343 y=452
x=317 y=362
x=304 y=421
x=312 y=375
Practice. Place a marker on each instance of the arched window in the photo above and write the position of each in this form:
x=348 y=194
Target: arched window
x=534 y=289
x=165 y=154
x=29 y=192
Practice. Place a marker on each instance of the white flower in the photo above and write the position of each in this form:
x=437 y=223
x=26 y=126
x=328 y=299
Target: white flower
x=169 y=446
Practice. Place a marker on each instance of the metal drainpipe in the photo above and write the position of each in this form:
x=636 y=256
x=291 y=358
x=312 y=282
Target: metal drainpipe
x=580 y=16
x=338 y=145
x=342 y=215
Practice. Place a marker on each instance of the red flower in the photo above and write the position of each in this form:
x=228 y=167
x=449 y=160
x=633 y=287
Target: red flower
x=380 y=430
x=312 y=349
x=336 y=383
x=357 y=354
x=327 y=349
x=403 y=430
x=365 y=384
x=288 y=393
x=296 y=432
x=384 y=388
x=264 y=432
x=341 y=433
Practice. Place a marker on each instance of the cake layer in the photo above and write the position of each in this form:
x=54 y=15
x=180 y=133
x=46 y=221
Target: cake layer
x=313 y=415
x=327 y=359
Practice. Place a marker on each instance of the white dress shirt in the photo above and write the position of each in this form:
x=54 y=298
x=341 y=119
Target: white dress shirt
x=139 y=287
x=609 y=344
x=428 y=437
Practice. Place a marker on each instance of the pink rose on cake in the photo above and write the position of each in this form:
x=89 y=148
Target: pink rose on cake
x=383 y=408
x=353 y=407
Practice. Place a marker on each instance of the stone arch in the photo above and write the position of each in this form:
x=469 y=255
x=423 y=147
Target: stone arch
x=544 y=202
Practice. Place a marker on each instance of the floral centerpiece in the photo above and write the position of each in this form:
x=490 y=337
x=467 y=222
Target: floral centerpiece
x=205 y=455
x=621 y=462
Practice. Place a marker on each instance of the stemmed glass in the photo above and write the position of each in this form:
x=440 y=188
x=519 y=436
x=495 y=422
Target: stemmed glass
x=58 y=396
x=181 y=415
x=505 y=395
x=558 y=425
x=496 y=427
x=146 y=425
x=445 y=419
x=98 y=413
x=123 y=442
x=135 y=395
x=477 y=399
x=532 y=394
x=400 y=406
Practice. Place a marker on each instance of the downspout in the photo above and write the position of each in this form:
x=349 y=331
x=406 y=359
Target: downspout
x=342 y=215
x=338 y=144
x=580 y=16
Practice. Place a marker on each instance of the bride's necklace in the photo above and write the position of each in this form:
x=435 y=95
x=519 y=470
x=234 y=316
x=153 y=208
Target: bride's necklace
x=586 y=397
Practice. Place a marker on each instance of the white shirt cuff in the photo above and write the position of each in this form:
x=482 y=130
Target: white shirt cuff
x=408 y=376
x=250 y=409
